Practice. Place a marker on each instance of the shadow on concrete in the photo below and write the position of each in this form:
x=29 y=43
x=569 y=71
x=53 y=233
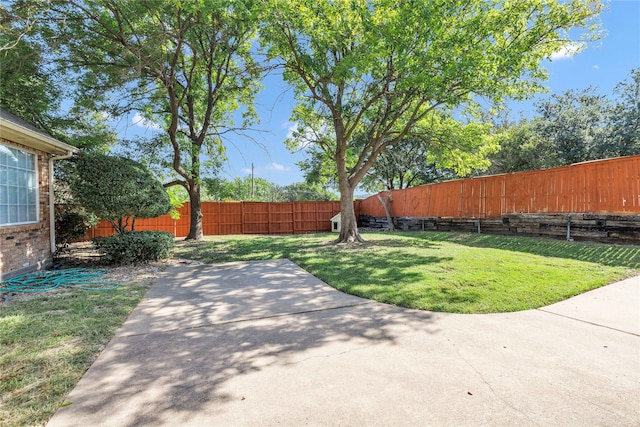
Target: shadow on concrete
x=200 y=327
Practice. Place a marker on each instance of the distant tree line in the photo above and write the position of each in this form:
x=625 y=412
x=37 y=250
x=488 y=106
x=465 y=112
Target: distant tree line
x=261 y=190
x=572 y=127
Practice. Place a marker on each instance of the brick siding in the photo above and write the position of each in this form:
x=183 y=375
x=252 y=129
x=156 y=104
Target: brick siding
x=26 y=248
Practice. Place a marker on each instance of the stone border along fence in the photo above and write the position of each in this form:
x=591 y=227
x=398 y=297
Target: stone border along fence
x=597 y=200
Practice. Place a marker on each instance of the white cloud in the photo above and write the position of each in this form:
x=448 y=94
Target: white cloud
x=566 y=52
x=596 y=67
x=305 y=137
x=292 y=129
x=267 y=170
x=140 y=121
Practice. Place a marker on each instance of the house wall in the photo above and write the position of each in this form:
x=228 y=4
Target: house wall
x=26 y=248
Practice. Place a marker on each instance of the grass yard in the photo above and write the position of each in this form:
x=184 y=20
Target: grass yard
x=48 y=342
x=451 y=272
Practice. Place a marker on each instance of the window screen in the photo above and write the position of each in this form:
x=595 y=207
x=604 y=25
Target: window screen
x=18 y=186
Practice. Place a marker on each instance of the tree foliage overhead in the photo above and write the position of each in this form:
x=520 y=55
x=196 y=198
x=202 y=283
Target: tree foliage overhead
x=31 y=88
x=369 y=71
x=116 y=189
x=185 y=65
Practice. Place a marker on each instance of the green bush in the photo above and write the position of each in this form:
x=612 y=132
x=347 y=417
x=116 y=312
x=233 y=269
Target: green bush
x=135 y=246
x=72 y=223
x=116 y=189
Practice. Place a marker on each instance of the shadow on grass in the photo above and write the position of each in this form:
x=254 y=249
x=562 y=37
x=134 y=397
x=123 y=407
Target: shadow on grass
x=380 y=269
x=600 y=253
x=391 y=280
x=244 y=248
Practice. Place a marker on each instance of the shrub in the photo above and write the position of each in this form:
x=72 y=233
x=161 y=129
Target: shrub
x=116 y=189
x=72 y=223
x=135 y=246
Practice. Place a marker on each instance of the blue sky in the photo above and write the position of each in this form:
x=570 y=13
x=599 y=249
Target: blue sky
x=602 y=64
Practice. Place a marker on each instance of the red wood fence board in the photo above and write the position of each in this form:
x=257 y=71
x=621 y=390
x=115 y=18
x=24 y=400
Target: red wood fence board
x=241 y=218
x=603 y=186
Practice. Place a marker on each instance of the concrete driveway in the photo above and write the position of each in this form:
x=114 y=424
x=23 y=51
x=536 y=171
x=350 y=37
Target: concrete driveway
x=265 y=343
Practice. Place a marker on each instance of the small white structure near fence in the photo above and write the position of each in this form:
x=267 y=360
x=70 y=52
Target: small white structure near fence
x=336 y=223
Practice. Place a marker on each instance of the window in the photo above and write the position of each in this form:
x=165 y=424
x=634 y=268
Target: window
x=18 y=186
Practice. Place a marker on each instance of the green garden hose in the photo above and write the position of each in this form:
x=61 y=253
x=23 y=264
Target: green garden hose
x=43 y=281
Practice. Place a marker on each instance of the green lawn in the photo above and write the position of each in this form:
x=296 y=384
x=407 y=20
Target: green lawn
x=47 y=343
x=451 y=272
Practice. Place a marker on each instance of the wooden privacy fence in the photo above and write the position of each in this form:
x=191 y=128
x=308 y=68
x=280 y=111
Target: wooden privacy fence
x=611 y=186
x=241 y=218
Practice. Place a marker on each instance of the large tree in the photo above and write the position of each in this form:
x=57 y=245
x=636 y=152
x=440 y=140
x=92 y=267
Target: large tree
x=185 y=65
x=33 y=90
x=376 y=68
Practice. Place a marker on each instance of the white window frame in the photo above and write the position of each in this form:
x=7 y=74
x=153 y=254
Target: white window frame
x=37 y=187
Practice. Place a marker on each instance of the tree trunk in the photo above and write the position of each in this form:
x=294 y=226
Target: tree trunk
x=387 y=211
x=195 y=226
x=349 y=228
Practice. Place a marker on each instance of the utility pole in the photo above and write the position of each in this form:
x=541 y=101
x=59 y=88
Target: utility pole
x=252 y=180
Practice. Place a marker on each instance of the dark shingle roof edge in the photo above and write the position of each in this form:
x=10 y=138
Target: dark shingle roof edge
x=6 y=115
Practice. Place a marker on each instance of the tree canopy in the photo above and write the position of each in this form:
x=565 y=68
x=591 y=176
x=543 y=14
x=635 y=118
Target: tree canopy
x=366 y=73
x=34 y=90
x=184 y=65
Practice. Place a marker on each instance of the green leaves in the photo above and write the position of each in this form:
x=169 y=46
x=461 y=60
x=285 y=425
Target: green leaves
x=571 y=127
x=135 y=246
x=455 y=145
x=116 y=188
x=377 y=67
x=372 y=70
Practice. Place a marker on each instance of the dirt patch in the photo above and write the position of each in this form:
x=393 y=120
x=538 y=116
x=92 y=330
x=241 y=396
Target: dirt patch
x=84 y=255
